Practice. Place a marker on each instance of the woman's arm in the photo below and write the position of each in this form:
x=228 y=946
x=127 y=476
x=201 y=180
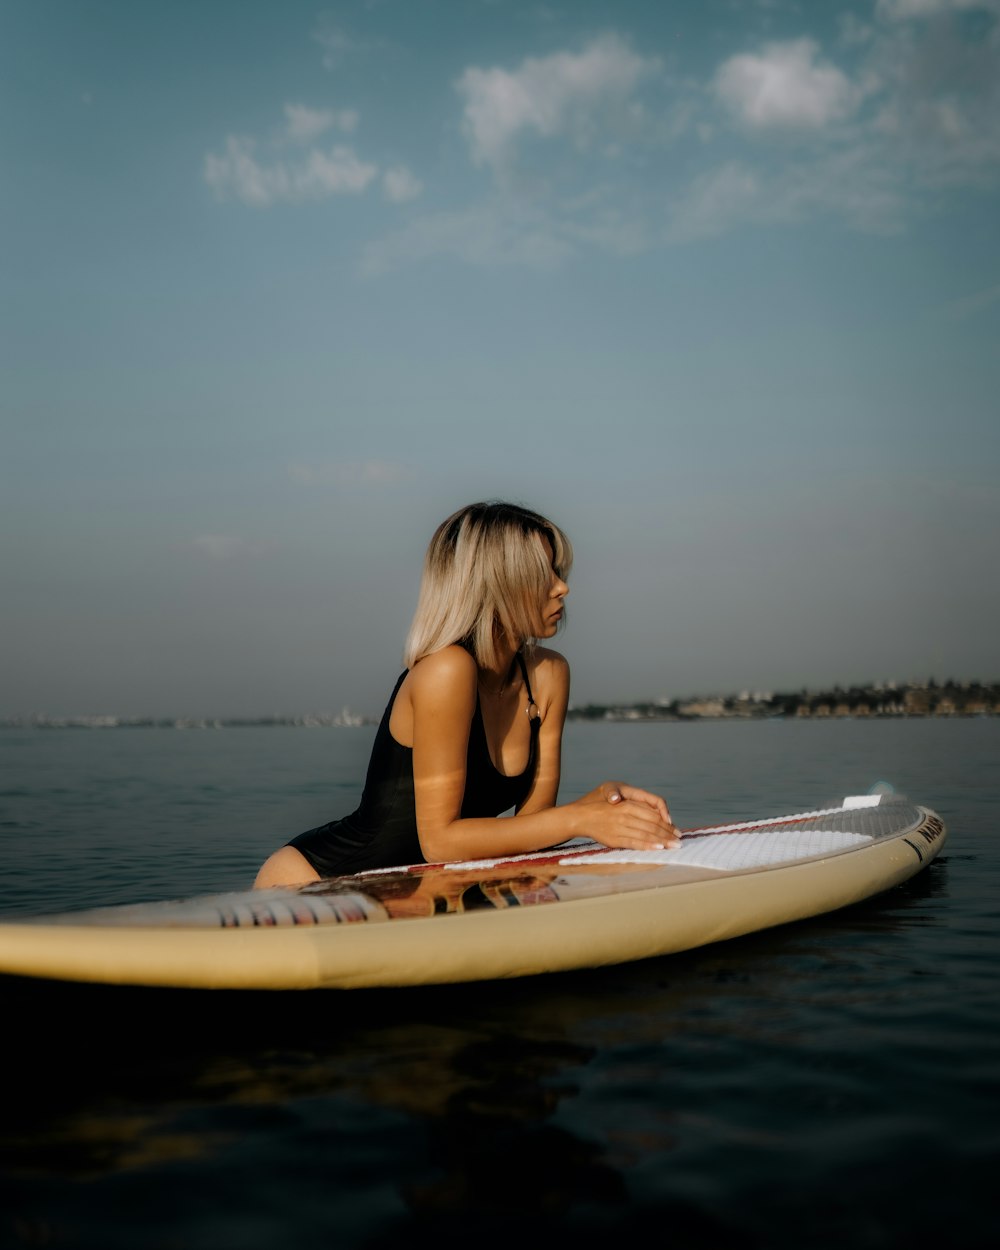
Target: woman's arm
x=442 y=693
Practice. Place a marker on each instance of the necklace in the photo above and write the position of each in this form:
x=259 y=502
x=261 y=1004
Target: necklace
x=497 y=693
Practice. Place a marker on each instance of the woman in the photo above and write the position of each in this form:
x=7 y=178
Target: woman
x=474 y=726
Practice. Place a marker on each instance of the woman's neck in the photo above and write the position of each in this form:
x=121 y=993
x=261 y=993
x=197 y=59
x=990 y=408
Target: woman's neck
x=495 y=678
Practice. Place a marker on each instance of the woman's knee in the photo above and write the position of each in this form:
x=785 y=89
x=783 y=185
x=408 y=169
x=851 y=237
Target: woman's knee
x=286 y=866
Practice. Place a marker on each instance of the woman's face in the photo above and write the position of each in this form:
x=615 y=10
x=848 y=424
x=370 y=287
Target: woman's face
x=552 y=603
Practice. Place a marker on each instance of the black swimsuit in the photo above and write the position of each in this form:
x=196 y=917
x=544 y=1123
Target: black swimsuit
x=382 y=833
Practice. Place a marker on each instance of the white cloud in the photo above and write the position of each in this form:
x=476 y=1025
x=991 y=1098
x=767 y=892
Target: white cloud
x=314 y=175
x=784 y=86
x=933 y=122
x=237 y=171
x=303 y=124
x=713 y=203
x=910 y=107
x=566 y=93
x=612 y=229
x=400 y=185
x=939 y=112
x=853 y=31
x=335 y=172
x=485 y=235
x=335 y=42
x=849 y=184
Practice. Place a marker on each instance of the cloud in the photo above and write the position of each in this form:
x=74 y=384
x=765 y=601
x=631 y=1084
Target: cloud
x=290 y=167
x=931 y=119
x=715 y=201
x=303 y=124
x=853 y=31
x=333 y=173
x=784 y=86
x=849 y=184
x=909 y=107
x=939 y=113
x=315 y=175
x=350 y=472
x=335 y=42
x=503 y=231
x=400 y=185
x=565 y=94
x=484 y=235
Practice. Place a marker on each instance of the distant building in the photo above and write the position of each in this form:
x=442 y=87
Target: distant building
x=703 y=707
x=916 y=702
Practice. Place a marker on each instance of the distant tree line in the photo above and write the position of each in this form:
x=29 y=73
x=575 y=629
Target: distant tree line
x=930 y=698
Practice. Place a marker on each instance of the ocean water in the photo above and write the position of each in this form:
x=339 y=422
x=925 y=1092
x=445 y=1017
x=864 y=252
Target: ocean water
x=830 y=1083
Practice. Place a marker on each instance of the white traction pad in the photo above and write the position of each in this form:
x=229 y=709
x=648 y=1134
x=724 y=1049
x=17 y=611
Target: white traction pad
x=731 y=852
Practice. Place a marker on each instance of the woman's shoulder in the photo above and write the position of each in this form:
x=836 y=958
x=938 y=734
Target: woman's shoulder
x=545 y=660
x=438 y=689
x=448 y=668
x=549 y=673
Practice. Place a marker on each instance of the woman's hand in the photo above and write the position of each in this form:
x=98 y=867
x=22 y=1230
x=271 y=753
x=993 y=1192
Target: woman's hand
x=617 y=791
x=623 y=816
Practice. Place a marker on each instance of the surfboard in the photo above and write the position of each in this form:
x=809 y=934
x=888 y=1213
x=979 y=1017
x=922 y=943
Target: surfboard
x=577 y=905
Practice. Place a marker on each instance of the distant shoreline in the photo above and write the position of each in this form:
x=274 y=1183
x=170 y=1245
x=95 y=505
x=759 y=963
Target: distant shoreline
x=948 y=700
x=880 y=702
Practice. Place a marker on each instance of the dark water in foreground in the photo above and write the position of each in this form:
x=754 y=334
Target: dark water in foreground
x=830 y=1083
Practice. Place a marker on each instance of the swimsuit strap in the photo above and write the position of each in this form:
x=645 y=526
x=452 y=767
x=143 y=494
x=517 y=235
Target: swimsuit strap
x=527 y=685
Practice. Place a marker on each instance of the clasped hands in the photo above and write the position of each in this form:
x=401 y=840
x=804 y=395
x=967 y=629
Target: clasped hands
x=626 y=817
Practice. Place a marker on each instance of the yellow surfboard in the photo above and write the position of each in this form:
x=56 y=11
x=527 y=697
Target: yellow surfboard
x=579 y=905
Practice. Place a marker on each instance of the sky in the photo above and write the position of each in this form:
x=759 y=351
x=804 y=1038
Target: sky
x=714 y=285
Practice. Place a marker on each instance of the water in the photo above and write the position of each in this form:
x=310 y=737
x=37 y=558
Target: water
x=834 y=1082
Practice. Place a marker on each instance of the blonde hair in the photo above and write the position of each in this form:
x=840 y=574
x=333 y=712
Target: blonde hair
x=486 y=574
